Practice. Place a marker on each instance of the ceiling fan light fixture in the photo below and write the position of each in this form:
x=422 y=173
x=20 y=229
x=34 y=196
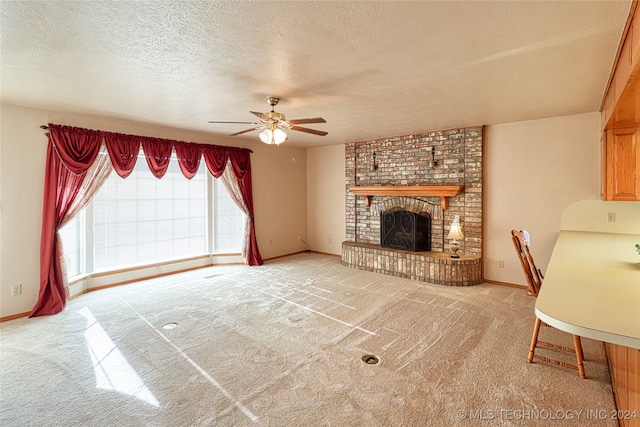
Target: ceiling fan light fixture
x=273 y=136
x=266 y=136
x=279 y=136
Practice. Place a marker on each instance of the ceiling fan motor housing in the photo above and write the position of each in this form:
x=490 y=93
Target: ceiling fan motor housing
x=274 y=116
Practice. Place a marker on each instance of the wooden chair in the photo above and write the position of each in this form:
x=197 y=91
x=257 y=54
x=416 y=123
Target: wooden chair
x=534 y=278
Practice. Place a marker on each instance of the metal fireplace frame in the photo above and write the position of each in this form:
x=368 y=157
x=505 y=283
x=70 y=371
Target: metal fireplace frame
x=405 y=230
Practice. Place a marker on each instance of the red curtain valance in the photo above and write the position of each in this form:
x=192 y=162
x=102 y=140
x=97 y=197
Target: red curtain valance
x=189 y=156
x=124 y=149
x=72 y=151
x=158 y=154
x=123 y=152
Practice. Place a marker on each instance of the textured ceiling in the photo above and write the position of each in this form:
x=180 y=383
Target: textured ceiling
x=371 y=69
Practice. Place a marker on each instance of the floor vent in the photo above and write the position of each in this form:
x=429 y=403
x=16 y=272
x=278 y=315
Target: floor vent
x=370 y=359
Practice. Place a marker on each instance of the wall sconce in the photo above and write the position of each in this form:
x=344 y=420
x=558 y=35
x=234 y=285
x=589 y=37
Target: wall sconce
x=455 y=232
x=433 y=162
x=374 y=166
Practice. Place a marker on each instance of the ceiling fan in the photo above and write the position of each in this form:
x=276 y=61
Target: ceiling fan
x=274 y=124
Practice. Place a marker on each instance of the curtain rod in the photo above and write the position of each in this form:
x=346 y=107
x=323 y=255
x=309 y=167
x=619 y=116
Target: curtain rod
x=45 y=127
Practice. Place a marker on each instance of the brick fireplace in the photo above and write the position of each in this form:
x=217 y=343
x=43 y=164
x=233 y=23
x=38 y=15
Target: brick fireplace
x=385 y=165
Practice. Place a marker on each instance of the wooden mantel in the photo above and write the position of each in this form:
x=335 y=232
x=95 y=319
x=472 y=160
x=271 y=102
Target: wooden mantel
x=442 y=191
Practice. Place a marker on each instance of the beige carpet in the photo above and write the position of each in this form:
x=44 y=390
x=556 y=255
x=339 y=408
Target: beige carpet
x=282 y=345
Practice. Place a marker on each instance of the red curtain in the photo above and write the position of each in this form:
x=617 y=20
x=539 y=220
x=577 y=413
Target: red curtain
x=69 y=154
x=123 y=152
x=241 y=164
x=216 y=159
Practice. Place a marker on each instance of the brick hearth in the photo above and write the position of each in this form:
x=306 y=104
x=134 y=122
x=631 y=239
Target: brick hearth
x=432 y=267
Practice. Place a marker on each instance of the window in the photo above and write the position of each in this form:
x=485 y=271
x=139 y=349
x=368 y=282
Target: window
x=73 y=238
x=228 y=220
x=142 y=219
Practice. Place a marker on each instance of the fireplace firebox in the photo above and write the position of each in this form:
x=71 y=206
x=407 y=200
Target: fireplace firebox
x=402 y=229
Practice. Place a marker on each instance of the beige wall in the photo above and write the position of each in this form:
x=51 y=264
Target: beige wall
x=533 y=171
x=22 y=171
x=279 y=185
x=593 y=215
x=279 y=194
x=326 y=198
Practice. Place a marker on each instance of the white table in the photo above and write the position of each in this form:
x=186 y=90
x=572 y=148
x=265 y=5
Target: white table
x=592 y=287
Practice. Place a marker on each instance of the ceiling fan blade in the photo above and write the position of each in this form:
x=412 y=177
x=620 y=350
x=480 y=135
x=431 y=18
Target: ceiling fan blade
x=245 y=131
x=307 y=130
x=241 y=123
x=262 y=116
x=303 y=121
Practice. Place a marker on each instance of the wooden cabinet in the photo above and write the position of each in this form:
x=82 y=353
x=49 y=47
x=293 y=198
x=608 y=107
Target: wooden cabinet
x=619 y=104
x=621 y=117
x=621 y=164
x=624 y=365
x=621 y=181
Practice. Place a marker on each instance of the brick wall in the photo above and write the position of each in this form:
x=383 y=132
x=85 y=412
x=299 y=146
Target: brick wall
x=404 y=160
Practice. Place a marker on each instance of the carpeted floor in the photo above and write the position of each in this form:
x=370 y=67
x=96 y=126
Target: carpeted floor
x=282 y=345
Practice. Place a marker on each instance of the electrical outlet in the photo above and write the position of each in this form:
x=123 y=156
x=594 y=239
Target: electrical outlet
x=330 y=240
x=501 y=263
x=16 y=290
x=611 y=217
x=270 y=242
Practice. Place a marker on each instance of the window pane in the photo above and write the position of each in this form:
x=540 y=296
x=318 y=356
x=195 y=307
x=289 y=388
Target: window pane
x=228 y=221
x=144 y=219
x=73 y=238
